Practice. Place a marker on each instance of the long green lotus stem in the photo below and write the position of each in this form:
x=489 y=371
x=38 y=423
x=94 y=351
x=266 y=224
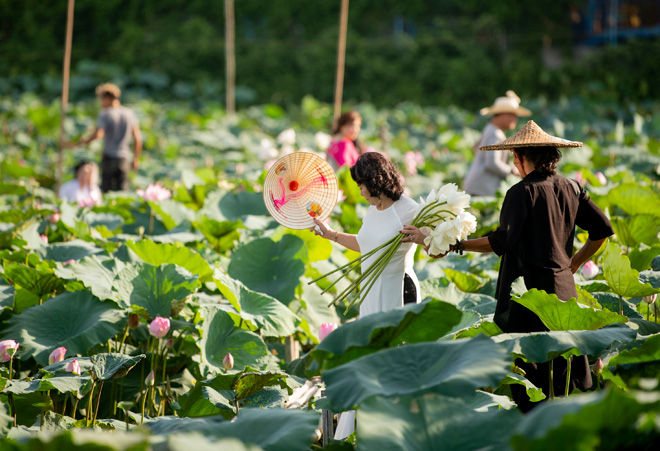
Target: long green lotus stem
x=11 y=363
x=98 y=400
x=144 y=400
x=620 y=305
x=551 y=390
x=75 y=408
x=568 y=375
x=89 y=404
x=66 y=397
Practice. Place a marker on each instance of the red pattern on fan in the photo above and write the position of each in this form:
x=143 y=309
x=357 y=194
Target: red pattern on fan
x=287 y=197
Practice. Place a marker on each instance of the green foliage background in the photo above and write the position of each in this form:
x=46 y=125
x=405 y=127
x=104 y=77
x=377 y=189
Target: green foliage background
x=430 y=52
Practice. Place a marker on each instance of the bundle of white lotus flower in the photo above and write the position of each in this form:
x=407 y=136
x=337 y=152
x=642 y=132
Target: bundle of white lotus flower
x=442 y=217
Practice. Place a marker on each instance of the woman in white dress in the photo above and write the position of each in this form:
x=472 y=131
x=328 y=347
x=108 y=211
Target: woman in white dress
x=382 y=187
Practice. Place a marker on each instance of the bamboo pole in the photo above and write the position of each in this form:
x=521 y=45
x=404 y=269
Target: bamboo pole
x=65 y=89
x=341 y=57
x=230 y=57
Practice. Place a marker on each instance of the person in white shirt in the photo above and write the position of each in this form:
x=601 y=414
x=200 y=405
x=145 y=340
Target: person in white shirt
x=488 y=169
x=84 y=189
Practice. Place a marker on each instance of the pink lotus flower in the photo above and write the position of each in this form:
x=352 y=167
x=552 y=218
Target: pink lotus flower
x=54 y=218
x=580 y=179
x=325 y=330
x=601 y=178
x=155 y=192
x=590 y=270
x=228 y=362
x=7 y=350
x=68 y=262
x=57 y=355
x=412 y=159
x=89 y=201
x=159 y=327
x=44 y=237
x=151 y=377
x=340 y=196
x=73 y=367
x=598 y=367
x=269 y=164
x=650 y=299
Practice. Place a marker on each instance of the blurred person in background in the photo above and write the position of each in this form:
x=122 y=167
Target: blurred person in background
x=84 y=189
x=488 y=169
x=345 y=147
x=116 y=125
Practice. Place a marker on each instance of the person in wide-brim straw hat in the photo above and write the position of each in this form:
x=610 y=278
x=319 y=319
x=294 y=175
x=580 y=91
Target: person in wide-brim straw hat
x=488 y=170
x=535 y=240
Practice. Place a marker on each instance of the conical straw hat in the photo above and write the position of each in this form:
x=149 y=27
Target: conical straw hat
x=299 y=187
x=508 y=104
x=531 y=135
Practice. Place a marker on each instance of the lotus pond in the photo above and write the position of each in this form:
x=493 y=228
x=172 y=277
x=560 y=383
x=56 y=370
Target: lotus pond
x=148 y=297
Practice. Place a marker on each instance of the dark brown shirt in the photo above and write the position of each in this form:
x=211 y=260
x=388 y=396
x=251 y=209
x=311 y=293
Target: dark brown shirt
x=535 y=241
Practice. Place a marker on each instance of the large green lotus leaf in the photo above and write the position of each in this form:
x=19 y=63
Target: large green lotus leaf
x=545 y=346
x=413 y=323
x=204 y=400
x=621 y=278
x=7 y=295
x=443 y=290
x=172 y=213
x=431 y=422
x=640 y=259
x=560 y=315
x=40 y=283
x=249 y=384
x=220 y=234
x=635 y=199
x=235 y=206
x=96 y=219
x=158 y=254
x=78 y=321
x=644 y=229
x=318 y=248
x=535 y=394
x=267 y=398
x=269 y=267
x=113 y=365
x=651 y=277
x=487 y=328
x=621 y=227
x=154 y=287
x=198 y=442
x=220 y=336
x=466 y=282
x=169 y=424
x=96 y=273
x=649 y=351
x=70 y=250
x=63 y=384
x=60 y=367
x=29 y=406
x=268 y=314
x=20 y=215
x=607 y=419
x=272 y=429
x=454 y=368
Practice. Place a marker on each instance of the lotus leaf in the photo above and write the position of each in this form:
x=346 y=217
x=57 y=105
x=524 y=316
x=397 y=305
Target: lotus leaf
x=157 y=254
x=424 y=422
x=413 y=323
x=78 y=321
x=465 y=282
x=113 y=365
x=98 y=274
x=455 y=368
x=63 y=384
x=621 y=278
x=608 y=419
x=318 y=248
x=71 y=250
x=560 y=315
x=220 y=336
x=154 y=288
x=41 y=284
x=267 y=313
x=545 y=346
x=635 y=199
x=198 y=442
x=269 y=267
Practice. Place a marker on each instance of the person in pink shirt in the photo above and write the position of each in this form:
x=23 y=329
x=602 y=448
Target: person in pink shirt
x=345 y=148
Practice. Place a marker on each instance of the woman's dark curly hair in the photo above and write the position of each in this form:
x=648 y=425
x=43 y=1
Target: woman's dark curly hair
x=544 y=159
x=376 y=172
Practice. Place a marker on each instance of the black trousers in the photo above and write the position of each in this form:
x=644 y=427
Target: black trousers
x=409 y=290
x=114 y=174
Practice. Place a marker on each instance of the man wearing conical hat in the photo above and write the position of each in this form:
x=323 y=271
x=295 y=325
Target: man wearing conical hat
x=488 y=169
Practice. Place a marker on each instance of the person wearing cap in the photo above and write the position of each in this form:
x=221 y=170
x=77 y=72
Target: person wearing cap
x=488 y=169
x=116 y=125
x=535 y=240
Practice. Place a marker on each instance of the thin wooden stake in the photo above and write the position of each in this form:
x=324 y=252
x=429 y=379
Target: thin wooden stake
x=230 y=56
x=292 y=352
x=341 y=57
x=65 y=89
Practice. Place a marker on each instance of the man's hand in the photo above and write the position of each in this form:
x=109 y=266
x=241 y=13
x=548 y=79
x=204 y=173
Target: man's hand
x=136 y=164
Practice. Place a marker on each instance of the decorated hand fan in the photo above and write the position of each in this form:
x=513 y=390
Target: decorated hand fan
x=299 y=187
